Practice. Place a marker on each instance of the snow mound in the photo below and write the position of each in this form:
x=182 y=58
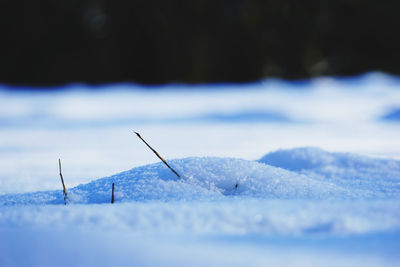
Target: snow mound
x=310 y=173
x=207 y=178
x=362 y=175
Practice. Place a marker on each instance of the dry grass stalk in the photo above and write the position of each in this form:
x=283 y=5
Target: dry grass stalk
x=62 y=181
x=112 y=194
x=158 y=155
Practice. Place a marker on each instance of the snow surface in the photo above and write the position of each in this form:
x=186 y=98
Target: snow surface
x=359 y=175
x=314 y=211
x=320 y=175
x=393 y=115
x=304 y=203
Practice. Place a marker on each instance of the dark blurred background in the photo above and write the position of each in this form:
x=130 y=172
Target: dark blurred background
x=54 y=42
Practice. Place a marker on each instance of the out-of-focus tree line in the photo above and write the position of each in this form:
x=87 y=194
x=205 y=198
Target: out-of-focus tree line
x=48 y=42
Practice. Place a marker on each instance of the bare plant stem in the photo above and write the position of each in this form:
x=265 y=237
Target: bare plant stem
x=158 y=155
x=112 y=194
x=62 y=181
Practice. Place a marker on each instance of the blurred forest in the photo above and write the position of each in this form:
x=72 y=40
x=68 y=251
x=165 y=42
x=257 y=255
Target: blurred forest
x=53 y=42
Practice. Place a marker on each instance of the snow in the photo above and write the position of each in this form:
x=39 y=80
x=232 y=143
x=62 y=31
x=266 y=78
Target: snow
x=129 y=249
x=320 y=175
x=359 y=174
x=393 y=115
x=273 y=173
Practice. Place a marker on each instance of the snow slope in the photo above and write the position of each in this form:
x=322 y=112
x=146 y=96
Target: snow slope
x=310 y=214
x=320 y=175
x=314 y=180
x=359 y=174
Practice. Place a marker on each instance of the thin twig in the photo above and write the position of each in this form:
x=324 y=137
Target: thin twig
x=155 y=152
x=112 y=194
x=62 y=181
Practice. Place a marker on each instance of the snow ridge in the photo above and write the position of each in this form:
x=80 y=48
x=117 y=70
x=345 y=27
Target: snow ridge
x=362 y=175
x=310 y=173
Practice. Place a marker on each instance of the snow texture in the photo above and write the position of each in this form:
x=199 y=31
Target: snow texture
x=310 y=173
x=313 y=211
x=361 y=175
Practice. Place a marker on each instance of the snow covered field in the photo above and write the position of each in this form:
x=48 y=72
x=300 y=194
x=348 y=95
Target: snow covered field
x=273 y=174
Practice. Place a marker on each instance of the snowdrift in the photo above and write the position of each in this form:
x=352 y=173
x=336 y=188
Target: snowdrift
x=362 y=175
x=304 y=173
